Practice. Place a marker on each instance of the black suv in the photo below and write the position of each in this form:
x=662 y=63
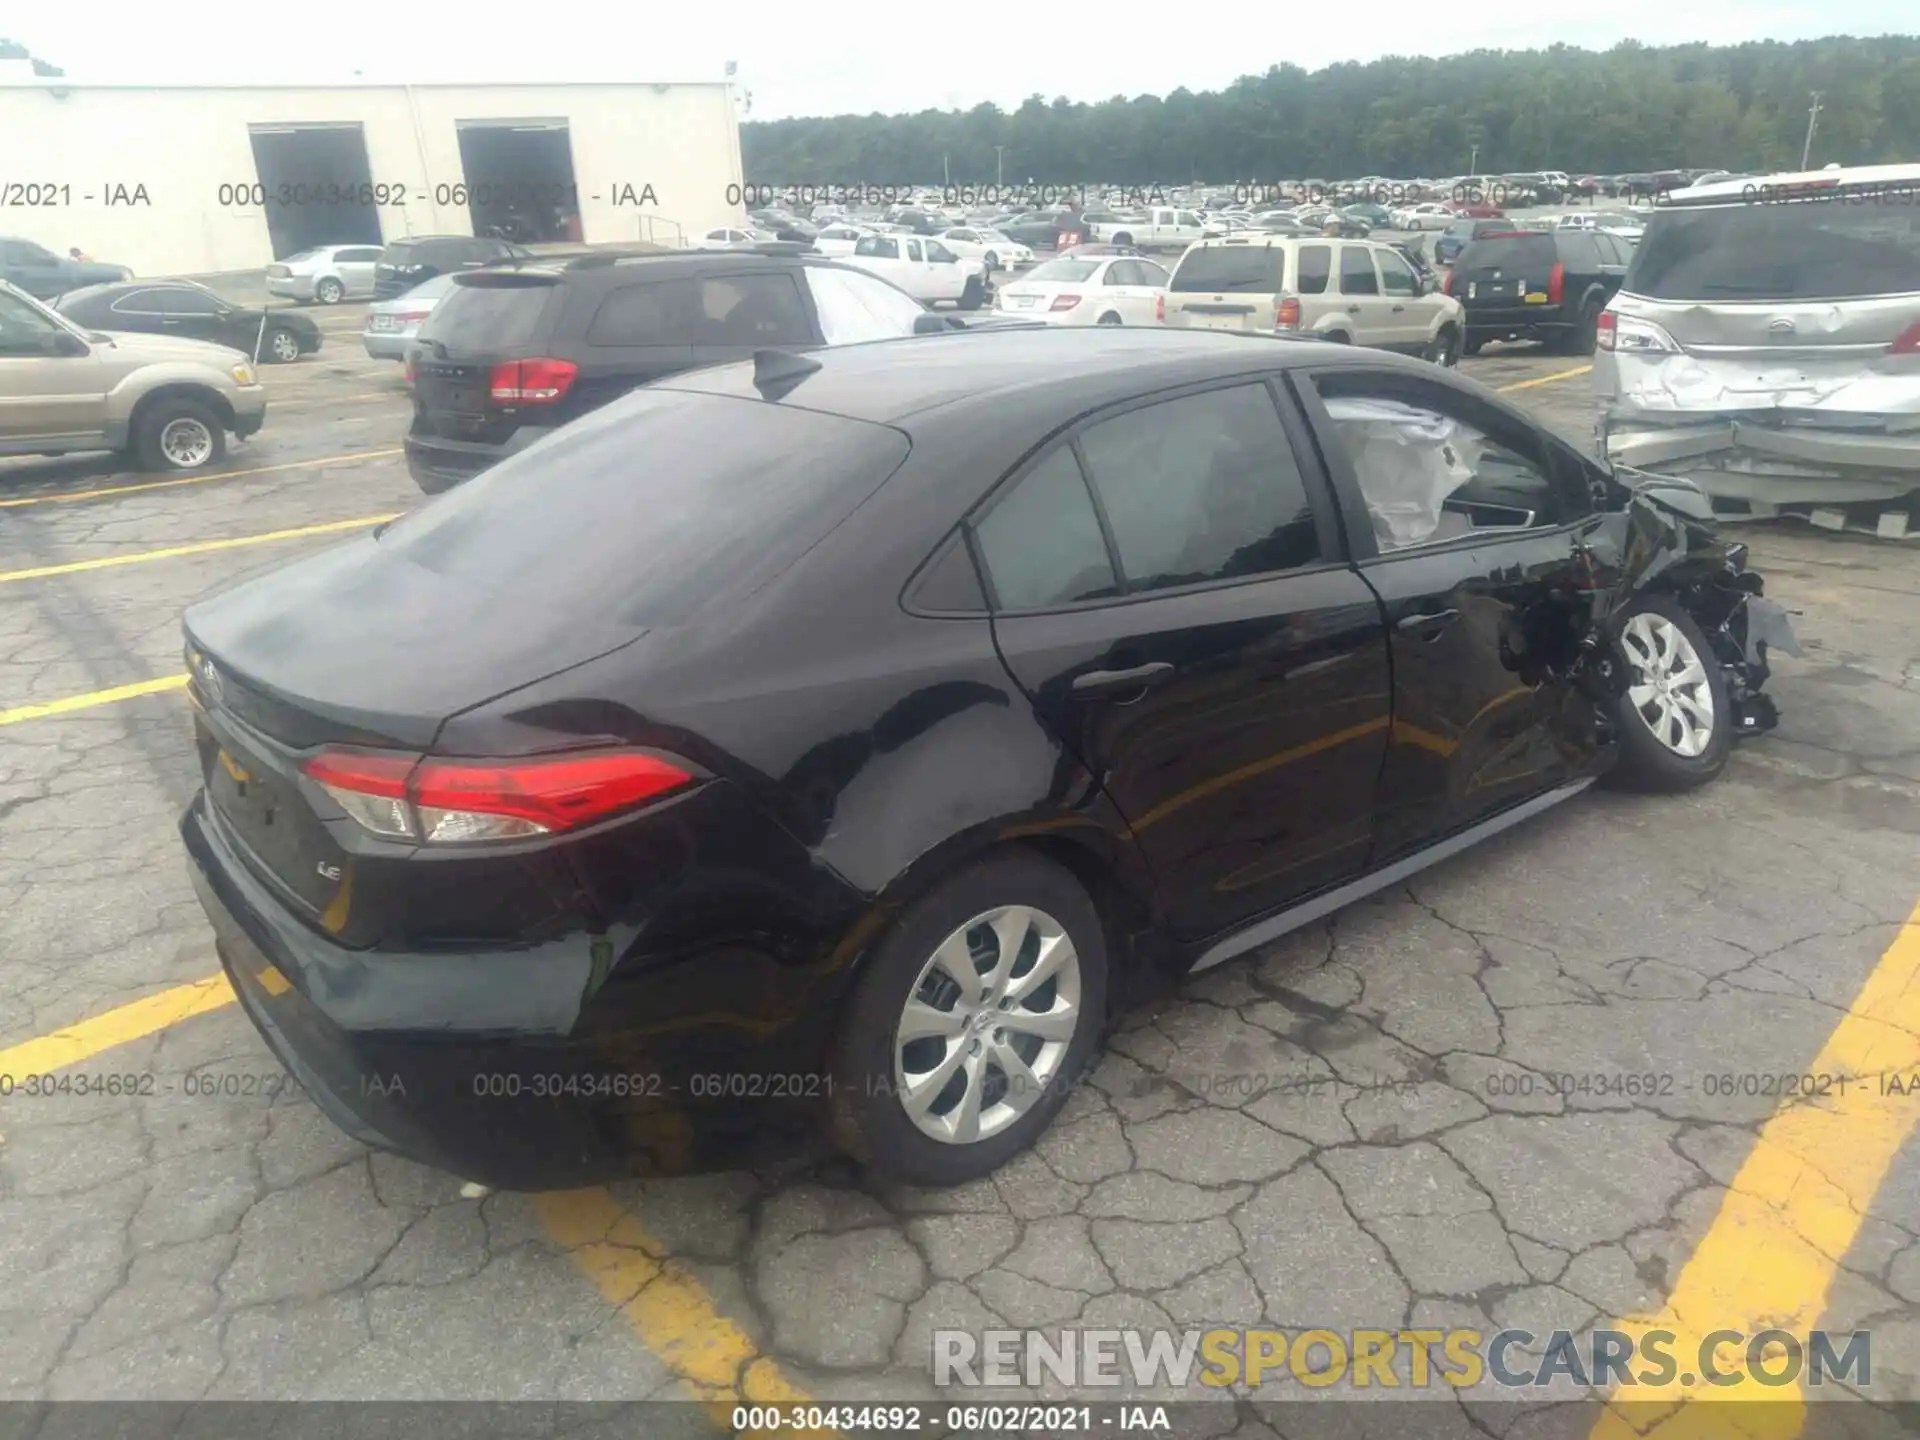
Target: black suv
x=406 y=263
x=1547 y=285
x=510 y=355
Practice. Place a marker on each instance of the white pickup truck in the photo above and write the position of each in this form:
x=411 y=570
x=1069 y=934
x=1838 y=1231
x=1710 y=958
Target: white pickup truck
x=924 y=268
x=1165 y=228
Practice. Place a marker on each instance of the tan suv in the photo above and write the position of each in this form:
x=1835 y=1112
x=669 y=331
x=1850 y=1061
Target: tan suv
x=168 y=402
x=1356 y=292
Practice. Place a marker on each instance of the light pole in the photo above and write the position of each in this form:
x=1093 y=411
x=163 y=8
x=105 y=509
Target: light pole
x=1813 y=119
x=999 y=153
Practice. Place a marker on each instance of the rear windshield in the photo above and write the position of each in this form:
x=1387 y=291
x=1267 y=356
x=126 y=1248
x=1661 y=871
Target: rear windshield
x=1804 y=250
x=653 y=506
x=1495 y=251
x=1259 y=268
x=494 y=317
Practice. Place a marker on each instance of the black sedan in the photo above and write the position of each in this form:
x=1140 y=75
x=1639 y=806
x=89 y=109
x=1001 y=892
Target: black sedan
x=914 y=708
x=180 y=307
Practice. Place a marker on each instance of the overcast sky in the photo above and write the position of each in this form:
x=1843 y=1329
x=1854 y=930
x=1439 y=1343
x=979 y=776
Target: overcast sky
x=801 y=58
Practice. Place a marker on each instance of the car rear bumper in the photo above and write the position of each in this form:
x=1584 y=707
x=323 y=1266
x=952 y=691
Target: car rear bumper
x=500 y=1065
x=386 y=345
x=291 y=287
x=1518 y=322
x=438 y=463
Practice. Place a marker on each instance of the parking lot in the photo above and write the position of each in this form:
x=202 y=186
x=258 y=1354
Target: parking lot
x=1408 y=1115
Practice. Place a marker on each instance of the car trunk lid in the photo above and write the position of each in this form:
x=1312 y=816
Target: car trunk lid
x=1229 y=286
x=484 y=321
x=1500 y=270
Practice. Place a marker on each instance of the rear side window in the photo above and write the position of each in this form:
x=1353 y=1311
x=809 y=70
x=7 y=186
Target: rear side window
x=1041 y=541
x=655 y=506
x=1315 y=269
x=1806 y=250
x=637 y=316
x=1498 y=252
x=492 y=317
x=1357 y=276
x=1258 y=269
x=759 y=309
x=1579 y=252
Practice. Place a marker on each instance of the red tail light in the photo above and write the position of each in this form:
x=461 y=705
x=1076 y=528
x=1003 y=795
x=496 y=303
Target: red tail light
x=407 y=372
x=1446 y=283
x=1064 y=302
x=406 y=797
x=1907 y=342
x=410 y=317
x=1607 y=327
x=1557 y=284
x=531 y=382
x=1160 y=308
x=1286 y=313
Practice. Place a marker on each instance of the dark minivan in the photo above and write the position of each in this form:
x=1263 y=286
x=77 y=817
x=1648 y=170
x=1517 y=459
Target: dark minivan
x=1545 y=285
x=405 y=263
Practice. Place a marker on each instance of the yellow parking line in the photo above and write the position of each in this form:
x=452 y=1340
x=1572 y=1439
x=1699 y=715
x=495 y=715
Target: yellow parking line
x=135 y=1021
x=1788 y=1219
x=199 y=547
x=91 y=699
x=1545 y=379
x=668 y=1308
x=95 y=494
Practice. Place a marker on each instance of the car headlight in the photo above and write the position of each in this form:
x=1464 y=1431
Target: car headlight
x=243 y=373
x=125 y=273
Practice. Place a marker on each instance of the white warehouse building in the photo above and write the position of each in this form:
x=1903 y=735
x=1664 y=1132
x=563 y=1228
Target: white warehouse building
x=197 y=180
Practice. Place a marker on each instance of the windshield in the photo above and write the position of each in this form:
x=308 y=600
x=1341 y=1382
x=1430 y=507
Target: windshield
x=1805 y=250
x=1257 y=268
x=1062 y=271
x=493 y=317
x=730 y=492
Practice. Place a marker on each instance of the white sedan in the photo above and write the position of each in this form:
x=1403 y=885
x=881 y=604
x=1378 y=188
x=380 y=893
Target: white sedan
x=727 y=238
x=1096 y=290
x=1430 y=215
x=991 y=248
x=839 y=239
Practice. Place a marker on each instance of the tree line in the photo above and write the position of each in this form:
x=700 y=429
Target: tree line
x=1628 y=109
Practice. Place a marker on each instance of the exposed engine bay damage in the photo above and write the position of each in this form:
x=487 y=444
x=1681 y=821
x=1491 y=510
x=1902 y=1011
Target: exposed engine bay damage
x=1664 y=542
x=1769 y=437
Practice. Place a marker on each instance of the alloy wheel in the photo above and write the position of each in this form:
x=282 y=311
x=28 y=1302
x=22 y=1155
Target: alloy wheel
x=286 y=346
x=1670 y=689
x=186 y=442
x=987 y=1025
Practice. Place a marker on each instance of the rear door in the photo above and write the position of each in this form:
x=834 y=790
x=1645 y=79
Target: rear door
x=1232 y=285
x=355 y=264
x=1133 y=286
x=1466 y=520
x=1170 y=592
x=1369 y=316
x=483 y=321
x=146 y=312
x=44 y=395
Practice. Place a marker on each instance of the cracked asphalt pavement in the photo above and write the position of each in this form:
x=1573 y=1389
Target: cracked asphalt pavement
x=1357 y=1127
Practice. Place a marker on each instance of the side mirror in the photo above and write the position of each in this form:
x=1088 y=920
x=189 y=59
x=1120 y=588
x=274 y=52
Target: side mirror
x=930 y=324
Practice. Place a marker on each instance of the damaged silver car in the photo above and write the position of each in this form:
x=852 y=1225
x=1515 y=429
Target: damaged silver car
x=1766 y=345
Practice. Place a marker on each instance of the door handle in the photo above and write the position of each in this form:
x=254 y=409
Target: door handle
x=1398 y=308
x=1427 y=624
x=1138 y=678
x=1353 y=309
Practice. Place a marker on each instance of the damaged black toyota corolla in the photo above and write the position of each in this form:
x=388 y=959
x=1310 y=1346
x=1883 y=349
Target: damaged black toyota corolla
x=842 y=740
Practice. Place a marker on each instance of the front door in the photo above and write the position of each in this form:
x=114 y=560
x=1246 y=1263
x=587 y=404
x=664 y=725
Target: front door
x=1170 y=592
x=1474 y=521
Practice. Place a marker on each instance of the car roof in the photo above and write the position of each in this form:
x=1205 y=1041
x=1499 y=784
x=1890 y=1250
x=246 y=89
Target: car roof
x=1743 y=187
x=888 y=381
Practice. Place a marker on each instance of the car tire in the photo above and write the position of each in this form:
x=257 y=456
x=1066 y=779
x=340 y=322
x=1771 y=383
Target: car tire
x=178 y=434
x=280 y=347
x=1444 y=350
x=1471 y=345
x=869 y=1108
x=1664 y=746
x=1110 y=318
x=1336 y=337
x=329 y=291
x=1125 y=237
x=975 y=294
x=992 y=261
x=1585 y=338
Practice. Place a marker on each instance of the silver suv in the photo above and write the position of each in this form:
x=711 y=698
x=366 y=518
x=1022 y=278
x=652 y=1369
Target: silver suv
x=1765 y=343
x=169 y=402
x=1356 y=292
